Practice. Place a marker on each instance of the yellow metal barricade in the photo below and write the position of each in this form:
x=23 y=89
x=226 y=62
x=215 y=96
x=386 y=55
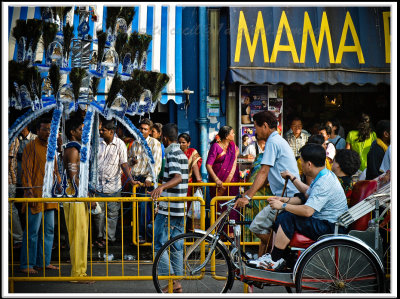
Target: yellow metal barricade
x=91 y=276
x=137 y=263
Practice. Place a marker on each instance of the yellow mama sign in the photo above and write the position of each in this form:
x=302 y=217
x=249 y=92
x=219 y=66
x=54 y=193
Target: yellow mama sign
x=308 y=34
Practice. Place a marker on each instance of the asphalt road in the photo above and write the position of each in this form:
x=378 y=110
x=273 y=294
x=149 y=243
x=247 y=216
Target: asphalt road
x=129 y=288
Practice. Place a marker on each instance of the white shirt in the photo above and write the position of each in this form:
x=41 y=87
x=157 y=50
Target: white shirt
x=251 y=149
x=331 y=151
x=110 y=158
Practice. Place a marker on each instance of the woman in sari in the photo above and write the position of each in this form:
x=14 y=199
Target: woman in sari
x=194 y=161
x=222 y=165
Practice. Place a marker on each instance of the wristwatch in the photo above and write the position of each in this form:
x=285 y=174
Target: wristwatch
x=284 y=206
x=248 y=197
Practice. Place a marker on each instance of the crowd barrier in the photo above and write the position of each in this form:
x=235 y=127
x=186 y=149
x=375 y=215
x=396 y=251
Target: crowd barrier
x=136 y=266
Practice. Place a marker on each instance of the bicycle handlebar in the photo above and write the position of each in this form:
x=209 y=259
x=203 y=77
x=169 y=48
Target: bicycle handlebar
x=232 y=201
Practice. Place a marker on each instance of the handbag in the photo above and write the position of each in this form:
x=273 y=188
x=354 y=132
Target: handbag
x=194 y=210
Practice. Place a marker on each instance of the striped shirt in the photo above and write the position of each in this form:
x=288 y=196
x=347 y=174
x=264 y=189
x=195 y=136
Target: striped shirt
x=110 y=158
x=176 y=162
x=142 y=167
x=296 y=143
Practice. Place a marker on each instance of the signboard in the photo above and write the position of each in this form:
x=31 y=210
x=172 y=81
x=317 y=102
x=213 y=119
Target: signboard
x=310 y=44
x=257 y=98
x=213 y=106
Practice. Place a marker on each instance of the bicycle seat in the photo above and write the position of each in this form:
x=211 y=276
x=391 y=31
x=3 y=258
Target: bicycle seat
x=300 y=241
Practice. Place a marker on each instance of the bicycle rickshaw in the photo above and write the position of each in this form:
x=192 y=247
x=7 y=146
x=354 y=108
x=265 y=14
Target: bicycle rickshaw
x=336 y=263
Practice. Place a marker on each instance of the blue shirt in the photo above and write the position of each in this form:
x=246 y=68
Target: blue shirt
x=326 y=197
x=280 y=157
x=162 y=151
x=341 y=144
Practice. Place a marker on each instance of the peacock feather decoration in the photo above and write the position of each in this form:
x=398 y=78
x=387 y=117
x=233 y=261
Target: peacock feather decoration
x=55 y=78
x=115 y=88
x=68 y=32
x=134 y=87
x=76 y=76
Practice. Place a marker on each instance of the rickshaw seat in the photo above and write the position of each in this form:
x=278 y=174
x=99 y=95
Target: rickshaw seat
x=300 y=241
x=361 y=190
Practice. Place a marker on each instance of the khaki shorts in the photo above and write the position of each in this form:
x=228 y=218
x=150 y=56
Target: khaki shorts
x=262 y=223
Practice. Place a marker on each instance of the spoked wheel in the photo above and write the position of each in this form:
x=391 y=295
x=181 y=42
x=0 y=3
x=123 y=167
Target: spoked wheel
x=339 y=266
x=170 y=270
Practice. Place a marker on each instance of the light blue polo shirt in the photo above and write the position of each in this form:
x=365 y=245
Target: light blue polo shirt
x=279 y=156
x=327 y=198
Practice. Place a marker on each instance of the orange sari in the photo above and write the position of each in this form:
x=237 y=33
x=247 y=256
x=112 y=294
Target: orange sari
x=193 y=158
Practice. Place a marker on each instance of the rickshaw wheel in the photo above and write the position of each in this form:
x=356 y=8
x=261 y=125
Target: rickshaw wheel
x=339 y=266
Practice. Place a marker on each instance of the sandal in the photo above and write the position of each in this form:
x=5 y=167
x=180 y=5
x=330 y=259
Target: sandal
x=28 y=270
x=100 y=244
x=177 y=288
x=49 y=267
x=17 y=245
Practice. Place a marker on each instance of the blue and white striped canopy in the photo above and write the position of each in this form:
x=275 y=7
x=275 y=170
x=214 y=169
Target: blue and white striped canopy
x=162 y=22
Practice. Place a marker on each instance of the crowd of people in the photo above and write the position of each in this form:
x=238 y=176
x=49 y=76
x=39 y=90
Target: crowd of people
x=321 y=168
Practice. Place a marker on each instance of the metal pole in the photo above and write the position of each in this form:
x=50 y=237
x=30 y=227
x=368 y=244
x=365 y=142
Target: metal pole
x=203 y=120
x=376 y=224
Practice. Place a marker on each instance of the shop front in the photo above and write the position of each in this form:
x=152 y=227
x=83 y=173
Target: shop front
x=312 y=62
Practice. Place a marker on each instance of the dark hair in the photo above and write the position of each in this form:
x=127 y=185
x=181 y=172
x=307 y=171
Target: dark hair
x=185 y=136
x=328 y=129
x=223 y=133
x=314 y=153
x=146 y=121
x=335 y=123
x=295 y=118
x=72 y=123
x=121 y=127
x=108 y=124
x=364 y=127
x=125 y=131
x=170 y=131
x=244 y=136
x=348 y=160
x=316 y=139
x=381 y=127
x=158 y=127
x=43 y=120
x=266 y=117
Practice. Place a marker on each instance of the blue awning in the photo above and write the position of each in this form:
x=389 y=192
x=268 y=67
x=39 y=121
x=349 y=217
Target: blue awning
x=163 y=22
x=317 y=45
